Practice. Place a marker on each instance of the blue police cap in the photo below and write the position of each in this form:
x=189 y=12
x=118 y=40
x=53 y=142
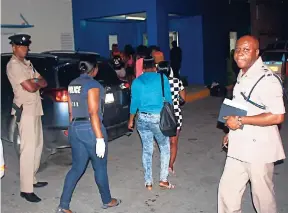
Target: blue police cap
x=20 y=39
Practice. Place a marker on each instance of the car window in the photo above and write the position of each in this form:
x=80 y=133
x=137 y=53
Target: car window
x=45 y=67
x=107 y=74
x=67 y=73
x=272 y=56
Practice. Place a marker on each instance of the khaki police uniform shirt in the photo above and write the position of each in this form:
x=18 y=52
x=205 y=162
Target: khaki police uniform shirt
x=256 y=144
x=17 y=73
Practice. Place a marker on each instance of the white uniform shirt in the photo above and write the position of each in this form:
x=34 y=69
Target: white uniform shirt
x=256 y=144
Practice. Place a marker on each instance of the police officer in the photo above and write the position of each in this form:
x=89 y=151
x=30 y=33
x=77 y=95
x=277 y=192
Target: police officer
x=26 y=82
x=254 y=140
x=87 y=135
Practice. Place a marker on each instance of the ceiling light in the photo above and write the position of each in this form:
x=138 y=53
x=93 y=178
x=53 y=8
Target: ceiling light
x=135 y=18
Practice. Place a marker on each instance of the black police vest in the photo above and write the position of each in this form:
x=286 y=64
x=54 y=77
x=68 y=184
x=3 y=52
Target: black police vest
x=78 y=92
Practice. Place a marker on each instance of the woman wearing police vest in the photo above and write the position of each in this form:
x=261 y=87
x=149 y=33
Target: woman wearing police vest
x=87 y=136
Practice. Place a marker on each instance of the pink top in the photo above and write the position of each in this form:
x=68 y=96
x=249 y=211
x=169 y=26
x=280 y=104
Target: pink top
x=139 y=67
x=130 y=62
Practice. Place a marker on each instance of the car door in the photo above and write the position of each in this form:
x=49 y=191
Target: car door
x=117 y=100
x=6 y=98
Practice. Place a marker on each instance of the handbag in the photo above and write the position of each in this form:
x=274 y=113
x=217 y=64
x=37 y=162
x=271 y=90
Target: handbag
x=168 y=121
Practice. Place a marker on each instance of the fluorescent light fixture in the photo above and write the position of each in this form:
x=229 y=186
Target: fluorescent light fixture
x=135 y=18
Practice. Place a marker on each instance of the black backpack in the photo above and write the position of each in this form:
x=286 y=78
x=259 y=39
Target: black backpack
x=168 y=121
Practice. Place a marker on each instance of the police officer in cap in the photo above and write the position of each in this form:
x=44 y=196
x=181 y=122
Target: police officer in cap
x=87 y=135
x=27 y=108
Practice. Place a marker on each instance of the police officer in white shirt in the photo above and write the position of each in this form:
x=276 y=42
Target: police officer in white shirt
x=254 y=140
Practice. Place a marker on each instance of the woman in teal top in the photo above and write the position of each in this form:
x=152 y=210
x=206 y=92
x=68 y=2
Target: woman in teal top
x=147 y=99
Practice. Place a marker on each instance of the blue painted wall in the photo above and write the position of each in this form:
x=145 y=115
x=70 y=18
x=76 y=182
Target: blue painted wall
x=191 y=43
x=94 y=9
x=95 y=38
x=203 y=38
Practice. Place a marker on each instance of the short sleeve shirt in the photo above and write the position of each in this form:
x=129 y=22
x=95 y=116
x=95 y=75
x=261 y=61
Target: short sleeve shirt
x=256 y=143
x=176 y=86
x=17 y=73
x=85 y=83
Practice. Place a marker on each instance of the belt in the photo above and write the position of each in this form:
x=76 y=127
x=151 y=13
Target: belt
x=81 y=119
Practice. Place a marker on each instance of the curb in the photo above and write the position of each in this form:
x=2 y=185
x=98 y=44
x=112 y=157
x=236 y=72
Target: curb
x=194 y=96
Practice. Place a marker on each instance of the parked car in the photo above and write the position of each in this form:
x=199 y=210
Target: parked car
x=59 y=68
x=275 y=56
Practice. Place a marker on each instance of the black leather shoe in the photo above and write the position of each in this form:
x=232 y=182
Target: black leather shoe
x=40 y=184
x=31 y=197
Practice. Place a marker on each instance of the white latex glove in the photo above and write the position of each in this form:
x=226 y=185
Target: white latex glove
x=100 y=147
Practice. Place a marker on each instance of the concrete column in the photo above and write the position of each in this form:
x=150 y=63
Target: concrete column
x=157 y=26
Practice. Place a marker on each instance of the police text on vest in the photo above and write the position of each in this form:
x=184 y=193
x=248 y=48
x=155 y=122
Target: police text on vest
x=74 y=89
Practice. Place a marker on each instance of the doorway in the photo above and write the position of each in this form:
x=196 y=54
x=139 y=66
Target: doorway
x=173 y=36
x=233 y=40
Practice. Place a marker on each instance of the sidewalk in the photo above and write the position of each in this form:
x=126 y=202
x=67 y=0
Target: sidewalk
x=196 y=92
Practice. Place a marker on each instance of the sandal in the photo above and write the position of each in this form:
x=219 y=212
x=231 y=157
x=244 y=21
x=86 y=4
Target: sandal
x=164 y=186
x=106 y=206
x=149 y=187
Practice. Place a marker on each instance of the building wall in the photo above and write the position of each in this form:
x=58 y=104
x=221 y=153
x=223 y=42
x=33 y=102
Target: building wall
x=95 y=36
x=215 y=40
x=52 y=20
x=205 y=61
x=266 y=23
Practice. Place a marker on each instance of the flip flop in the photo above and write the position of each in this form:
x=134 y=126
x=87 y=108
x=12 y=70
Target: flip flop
x=169 y=186
x=106 y=206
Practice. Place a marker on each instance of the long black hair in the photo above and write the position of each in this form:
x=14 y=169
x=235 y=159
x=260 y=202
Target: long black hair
x=164 y=67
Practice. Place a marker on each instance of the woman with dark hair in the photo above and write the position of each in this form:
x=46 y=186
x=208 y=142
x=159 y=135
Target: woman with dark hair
x=87 y=136
x=147 y=99
x=140 y=55
x=178 y=98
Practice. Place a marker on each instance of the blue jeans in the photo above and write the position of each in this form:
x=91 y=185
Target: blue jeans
x=83 y=144
x=148 y=128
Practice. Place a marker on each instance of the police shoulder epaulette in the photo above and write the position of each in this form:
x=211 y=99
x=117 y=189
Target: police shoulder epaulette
x=14 y=61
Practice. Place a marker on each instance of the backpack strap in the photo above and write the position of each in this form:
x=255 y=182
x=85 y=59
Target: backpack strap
x=162 y=85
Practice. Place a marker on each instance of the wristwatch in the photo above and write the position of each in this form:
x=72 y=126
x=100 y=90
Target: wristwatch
x=36 y=80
